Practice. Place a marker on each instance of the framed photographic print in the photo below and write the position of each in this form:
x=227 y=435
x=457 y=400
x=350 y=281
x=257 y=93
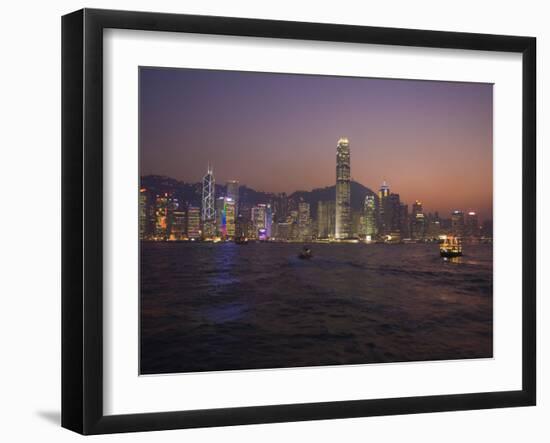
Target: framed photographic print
x=269 y=221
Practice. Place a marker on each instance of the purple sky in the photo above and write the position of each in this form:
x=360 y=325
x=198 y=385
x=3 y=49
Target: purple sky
x=431 y=141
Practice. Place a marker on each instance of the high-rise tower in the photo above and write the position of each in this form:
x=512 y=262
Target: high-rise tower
x=343 y=190
x=232 y=192
x=208 y=211
x=383 y=194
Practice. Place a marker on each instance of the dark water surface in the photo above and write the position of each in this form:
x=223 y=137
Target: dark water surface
x=211 y=307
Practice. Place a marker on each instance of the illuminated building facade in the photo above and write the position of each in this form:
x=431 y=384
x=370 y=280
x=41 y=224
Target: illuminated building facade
x=418 y=221
x=161 y=217
x=304 y=222
x=383 y=194
x=280 y=207
x=326 y=219
x=232 y=191
x=193 y=223
x=229 y=213
x=262 y=218
x=343 y=190
x=208 y=211
x=178 y=225
x=369 y=218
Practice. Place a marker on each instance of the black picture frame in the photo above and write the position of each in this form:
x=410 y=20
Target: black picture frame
x=82 y=218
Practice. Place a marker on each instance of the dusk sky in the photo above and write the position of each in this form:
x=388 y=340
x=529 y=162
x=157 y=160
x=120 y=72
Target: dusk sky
x=431 y=141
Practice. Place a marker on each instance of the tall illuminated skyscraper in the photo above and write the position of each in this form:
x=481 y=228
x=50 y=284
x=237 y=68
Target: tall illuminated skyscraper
x=208 y=211
x=343 y=190
x=383 y=194
x=229 y=212
x=232 y=188
x=369 y=217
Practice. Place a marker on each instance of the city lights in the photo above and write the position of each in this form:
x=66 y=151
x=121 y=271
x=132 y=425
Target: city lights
x=225 y=214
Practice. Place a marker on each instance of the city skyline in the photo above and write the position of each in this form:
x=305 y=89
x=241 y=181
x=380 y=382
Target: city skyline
x=257 y=128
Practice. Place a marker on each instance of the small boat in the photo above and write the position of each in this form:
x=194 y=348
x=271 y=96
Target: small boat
x=451 y=247
x=241 y=240
x=305 y=254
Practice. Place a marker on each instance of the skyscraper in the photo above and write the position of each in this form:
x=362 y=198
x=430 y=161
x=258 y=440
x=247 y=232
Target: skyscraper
x=393 y=213
x=178 y=228
x=472 y=224
x=229 y=212
x=232 y=191
x=418 y=221
x=259 y=219
x=457 y=223
x=383 y=194
x=343 y=190
x=304 y=221
x=325 y=219
x=404 y=221
x=208 y=212
x=193 y=223
x=161 y=217
x=370 y=218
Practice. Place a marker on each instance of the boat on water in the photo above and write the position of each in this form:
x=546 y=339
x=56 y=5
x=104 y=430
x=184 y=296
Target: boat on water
x=305 y=254
x=450 y=247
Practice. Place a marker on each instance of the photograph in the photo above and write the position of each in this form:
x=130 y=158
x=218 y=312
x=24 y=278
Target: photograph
x=291 y=220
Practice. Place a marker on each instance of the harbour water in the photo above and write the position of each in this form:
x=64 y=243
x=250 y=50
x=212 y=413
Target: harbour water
x=207 y=307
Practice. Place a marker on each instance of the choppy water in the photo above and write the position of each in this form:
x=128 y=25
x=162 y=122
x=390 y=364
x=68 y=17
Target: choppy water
x=211 y=307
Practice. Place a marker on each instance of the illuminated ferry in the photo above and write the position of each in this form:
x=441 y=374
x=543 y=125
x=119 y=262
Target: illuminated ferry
x=450 y=247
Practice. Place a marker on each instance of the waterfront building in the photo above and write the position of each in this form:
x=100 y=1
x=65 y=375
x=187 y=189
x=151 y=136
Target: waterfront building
x=193 y=223
x=232 y=191
x=404 y=221
x=418 y=226
x=304 y=222
x=343 y=190
x=392 y=213
x=383 y=194
x=262 y=219
x=283 y=231
x=268 y=220
x=472 y=225
x=369 y=210
x=433 y=228
x=326 y=218
x=161 y=217
x=229 y=212
x=457 y=223
x=281 y=207
x=171 y=207
x=225 y=217
x=220 y=217
x=178 y=226
x=419 y=222
x=208 y=210
x=357 y=224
